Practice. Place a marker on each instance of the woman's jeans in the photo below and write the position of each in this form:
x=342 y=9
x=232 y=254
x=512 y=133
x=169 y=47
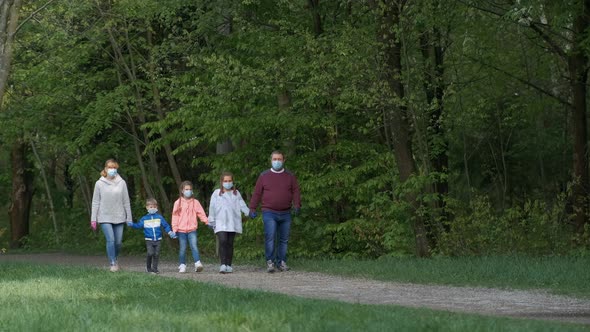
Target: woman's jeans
x=276 y=223
x=192 y=241
x=113 y=234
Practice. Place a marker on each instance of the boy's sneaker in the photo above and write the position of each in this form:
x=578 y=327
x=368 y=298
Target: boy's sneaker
x=182 y=268
x=228 y=269
x=283 y=267
x=198 y=266
x=223 y=268
x=270 y=266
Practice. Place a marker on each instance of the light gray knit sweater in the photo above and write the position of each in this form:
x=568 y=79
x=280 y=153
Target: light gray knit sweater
x=110 y=202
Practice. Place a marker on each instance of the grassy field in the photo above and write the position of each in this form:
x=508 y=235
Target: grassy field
x=58 y=298
x=563 y=275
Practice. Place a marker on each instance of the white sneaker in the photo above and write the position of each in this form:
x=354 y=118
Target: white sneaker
x=228 y=269
x=114 y=268
x=182 y=268
x=270 y=266
x=223 y=268
x=198 y=266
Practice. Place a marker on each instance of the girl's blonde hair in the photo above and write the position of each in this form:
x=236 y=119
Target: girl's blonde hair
x=106 y=164
x=224 y=174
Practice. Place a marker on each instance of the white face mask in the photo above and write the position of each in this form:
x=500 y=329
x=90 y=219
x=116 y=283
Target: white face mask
x=228 y=185
x=152 y=210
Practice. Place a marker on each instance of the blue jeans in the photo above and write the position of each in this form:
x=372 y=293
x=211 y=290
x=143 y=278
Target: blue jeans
x=192 y=241
x=113 y=234
x=276 y=223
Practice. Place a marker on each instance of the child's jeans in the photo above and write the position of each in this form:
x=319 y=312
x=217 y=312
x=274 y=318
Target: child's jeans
x=113 y=234
x=192 y=241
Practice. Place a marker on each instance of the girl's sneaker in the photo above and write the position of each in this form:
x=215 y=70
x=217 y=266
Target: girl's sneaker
x=182 y=268
x=228 y=269
x=223 y=268
x=198 y=266
x=114 y=268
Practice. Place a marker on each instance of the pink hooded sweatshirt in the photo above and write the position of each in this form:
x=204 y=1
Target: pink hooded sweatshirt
x=185 y=213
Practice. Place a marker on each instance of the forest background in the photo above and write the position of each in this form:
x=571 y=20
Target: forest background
x=424 y=127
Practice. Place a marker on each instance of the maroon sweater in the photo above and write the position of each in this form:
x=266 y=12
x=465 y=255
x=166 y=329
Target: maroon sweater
x=277 y=191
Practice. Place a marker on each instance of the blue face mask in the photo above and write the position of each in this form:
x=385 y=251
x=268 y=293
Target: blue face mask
x=152 y=210
x=228 y=185
x=187 y=193
x=111 y=172
x=277 y=165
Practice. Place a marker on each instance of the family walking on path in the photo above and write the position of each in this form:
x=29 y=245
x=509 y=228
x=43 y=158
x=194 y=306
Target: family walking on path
x=276 y=191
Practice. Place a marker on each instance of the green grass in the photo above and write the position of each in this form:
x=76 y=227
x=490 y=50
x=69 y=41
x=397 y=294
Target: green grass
x=562 y=275
x=58 y=298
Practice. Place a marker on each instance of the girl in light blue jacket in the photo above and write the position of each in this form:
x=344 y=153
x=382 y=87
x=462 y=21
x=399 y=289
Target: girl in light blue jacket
x=224 y=217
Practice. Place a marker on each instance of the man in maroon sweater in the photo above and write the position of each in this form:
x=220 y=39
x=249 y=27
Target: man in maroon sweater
x=278 y=190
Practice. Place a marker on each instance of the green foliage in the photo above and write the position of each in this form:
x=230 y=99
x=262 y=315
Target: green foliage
x=534 y=228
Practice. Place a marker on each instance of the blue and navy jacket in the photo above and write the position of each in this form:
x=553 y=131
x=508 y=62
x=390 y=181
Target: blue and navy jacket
x=151 y=224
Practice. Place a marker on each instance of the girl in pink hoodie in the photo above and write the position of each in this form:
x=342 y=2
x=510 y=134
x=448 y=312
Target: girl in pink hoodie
x=184 y=223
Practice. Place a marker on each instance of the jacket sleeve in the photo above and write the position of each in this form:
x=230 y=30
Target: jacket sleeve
x=138 y=225
x=257 y=194
x=95 y=203
x=175 y=215
x=165 y=224
x=296 y=193
x=201 y=213
x=127 y=203
x=212 y=208
x=243 y=207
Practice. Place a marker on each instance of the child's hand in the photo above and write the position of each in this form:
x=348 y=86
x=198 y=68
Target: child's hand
x=253 y=214
x=172 y=235
x=211 y=226
x=130 y=223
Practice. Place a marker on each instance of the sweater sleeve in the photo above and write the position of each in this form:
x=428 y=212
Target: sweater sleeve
x=95 y=203
x=175 y=215
x=127 y=203
x=257 y=194
x=200 y=212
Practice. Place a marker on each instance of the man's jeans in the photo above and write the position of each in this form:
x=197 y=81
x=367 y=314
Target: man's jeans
x=113 y=234
x=276 y=223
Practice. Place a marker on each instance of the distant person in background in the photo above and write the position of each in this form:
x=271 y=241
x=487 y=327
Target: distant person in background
x=278 y=190
x=184 y=223
x=152 y=224
x=225 y=219
x=111 y=208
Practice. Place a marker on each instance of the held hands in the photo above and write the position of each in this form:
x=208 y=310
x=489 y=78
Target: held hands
x=93 y=225
x=212 y=227
x=130 y=223
x=253 y=214
x=172 y=234
x=296 y=211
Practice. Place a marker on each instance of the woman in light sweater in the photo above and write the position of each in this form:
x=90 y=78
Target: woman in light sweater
x=225 y=218
x=111 y=209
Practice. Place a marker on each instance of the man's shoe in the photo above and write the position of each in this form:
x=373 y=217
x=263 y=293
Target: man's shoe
x=270 y=266
x=283 y=267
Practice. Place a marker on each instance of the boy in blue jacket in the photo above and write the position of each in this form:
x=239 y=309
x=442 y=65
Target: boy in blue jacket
x=151 y=224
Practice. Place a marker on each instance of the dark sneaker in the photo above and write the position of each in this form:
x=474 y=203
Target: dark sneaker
x=270 y=266
x=283 y=267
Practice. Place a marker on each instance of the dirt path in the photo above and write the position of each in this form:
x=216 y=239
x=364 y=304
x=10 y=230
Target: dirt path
x=486 y=301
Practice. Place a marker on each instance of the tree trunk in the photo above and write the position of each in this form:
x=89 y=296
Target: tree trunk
x=314 y=5
x=9 y=10
x=397 y=117
x=578 y=70
x=22 y=194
